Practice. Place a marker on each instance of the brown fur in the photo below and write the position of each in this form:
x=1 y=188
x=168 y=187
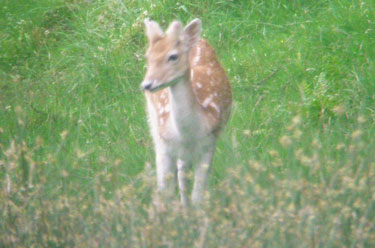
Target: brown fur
x=208 y=80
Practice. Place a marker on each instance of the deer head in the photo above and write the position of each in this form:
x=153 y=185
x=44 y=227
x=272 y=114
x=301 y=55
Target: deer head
x=168 y=54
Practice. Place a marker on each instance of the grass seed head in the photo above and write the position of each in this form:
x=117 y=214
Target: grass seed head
x=285 y=141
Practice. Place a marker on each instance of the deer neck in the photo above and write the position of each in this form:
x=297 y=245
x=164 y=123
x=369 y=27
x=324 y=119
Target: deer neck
x=185 y=110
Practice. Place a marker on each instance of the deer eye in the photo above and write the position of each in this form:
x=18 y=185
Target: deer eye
x=173 y=57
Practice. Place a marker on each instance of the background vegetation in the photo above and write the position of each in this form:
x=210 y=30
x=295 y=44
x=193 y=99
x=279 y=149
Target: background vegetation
x=295 y=166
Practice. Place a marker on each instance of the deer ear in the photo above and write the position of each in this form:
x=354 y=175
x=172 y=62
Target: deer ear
x=192 y=32
x=174 y=29
x=153 y=31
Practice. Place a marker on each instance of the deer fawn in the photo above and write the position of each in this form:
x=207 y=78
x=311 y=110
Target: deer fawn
x=188 y=101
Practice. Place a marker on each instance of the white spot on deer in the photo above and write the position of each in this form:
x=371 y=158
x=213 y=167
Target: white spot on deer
x=212 y=83
x=197 y=56
x=207 y=101
x=212 y=104
x=192 y=74
x=163 y=96
x=209 y=72
x=199 y=85
x=167 y=108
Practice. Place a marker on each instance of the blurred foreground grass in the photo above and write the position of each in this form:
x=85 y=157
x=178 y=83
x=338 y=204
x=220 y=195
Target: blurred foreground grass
x=294 y=168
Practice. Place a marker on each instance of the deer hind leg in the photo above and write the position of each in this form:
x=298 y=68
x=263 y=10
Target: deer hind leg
x=202 y=168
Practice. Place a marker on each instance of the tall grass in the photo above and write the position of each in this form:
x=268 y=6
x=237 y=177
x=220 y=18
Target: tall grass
x=294 y=167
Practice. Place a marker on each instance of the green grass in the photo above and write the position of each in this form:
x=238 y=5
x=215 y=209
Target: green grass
x=294 y=167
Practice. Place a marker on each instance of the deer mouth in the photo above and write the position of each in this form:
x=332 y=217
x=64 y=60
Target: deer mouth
x=153 y=86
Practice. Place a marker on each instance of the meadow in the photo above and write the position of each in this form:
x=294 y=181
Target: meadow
x=295 y=166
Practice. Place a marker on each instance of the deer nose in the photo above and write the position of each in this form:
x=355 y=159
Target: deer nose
x=146 y=85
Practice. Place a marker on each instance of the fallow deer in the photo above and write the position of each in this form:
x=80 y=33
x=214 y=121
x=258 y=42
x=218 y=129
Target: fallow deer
x=188 y=102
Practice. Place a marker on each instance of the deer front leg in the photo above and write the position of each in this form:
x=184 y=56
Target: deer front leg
x=183 y=166
x=201 y=171
x=166 y=171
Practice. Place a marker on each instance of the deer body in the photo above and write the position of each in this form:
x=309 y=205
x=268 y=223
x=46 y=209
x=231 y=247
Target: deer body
x=188 y=101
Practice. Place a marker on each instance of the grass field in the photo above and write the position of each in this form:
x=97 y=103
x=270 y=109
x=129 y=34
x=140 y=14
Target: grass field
x=295 y=166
